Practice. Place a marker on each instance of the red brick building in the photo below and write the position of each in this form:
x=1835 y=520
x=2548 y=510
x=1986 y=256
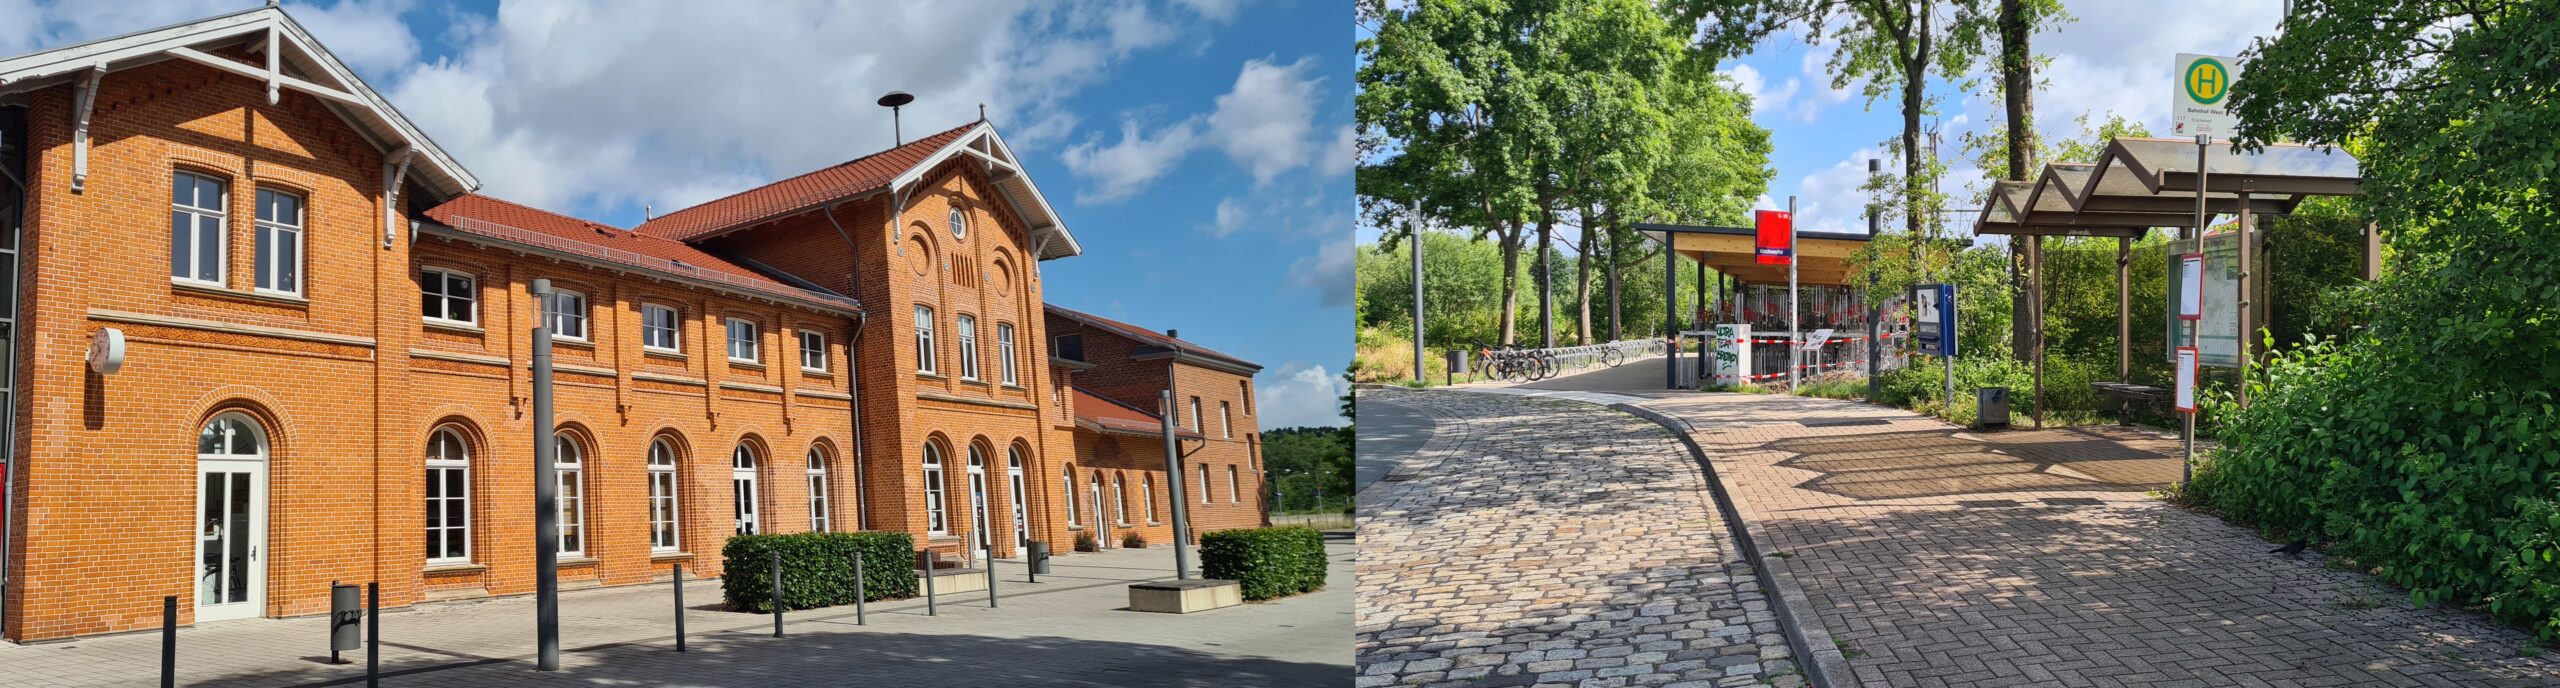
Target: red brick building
x=1119 y=374
x=325 y=339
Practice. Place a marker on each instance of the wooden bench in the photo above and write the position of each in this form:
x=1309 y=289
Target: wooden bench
x=2126 y=395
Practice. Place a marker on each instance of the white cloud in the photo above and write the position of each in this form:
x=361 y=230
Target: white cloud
x=1230 y=218
x=1341 y=157
x=1328 y=271
x=1125 y=168
x=1829 y=200
x=1763 y=99
x=1266 y=123
x=1299 y=395
x=368 y=36
x=1215 y=10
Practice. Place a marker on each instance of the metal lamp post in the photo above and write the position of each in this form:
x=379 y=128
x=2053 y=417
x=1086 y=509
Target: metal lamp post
x=1181 y=515
x=546 y=517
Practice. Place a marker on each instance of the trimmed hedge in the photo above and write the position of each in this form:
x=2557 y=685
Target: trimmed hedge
x=817 y=569
x=1268 y=562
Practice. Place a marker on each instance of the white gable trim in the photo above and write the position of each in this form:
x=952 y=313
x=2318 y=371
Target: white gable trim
x=333 y=82
x=983 y=144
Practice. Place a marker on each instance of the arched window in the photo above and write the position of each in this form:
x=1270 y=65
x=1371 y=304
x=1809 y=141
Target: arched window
x=742 y=487
x=568 y=466
x=662 y=496
x=448 y=498
x=817 y=490
x=1094 y=489
x=230 y=459
x=1147 y=496
x=935 y=518
x=1014 y=494
x=1119 y=498
x=1067 y=476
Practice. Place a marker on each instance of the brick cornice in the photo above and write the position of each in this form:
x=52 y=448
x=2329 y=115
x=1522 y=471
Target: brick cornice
x=128 y=317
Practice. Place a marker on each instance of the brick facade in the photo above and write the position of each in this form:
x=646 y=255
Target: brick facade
x=347 y=382
x=1224 y=442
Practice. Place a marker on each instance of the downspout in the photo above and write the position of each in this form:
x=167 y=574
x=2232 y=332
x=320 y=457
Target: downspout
x=853 y=380
x=13 y=132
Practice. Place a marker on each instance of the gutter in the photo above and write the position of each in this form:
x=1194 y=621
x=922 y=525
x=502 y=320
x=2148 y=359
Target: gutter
x=853 y=381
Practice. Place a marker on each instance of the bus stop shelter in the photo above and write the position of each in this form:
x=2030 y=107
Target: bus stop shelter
x=1822 y=277
x=2137 y=184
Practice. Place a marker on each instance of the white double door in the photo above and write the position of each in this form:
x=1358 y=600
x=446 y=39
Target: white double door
x=231 y=539
x=978 y=533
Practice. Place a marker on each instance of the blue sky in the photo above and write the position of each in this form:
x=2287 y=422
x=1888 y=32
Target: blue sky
x=2111 y=56
x=1198 y=149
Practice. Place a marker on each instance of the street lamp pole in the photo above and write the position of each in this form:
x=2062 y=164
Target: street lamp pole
x=546 y=516
x=1173 y=470
x=1413 y=219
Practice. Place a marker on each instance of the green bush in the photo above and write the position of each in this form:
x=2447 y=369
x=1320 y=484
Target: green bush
x=1132 y=540
x=817 y=569
x=1085 y=543
x=1268 y=562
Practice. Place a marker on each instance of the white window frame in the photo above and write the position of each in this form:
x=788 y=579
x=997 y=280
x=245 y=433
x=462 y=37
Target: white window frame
x=753 y=342
x=438 y=464
x=1068 y=475
x=1235 y=495
x=1120 y=499
x=569 y=467
x=1206 y=495
x=966 y=326
x=745 y=464
x=813 y=351
x=1244 y=390
x=959 y=222
x=1226 y=419
x=924 y=340
x=1195 y=414
x=1006 y=368
x=818 y=506
x=220 y=212
x=276 y=228
x=662 y=476
x=937 y=516
x=673 y=330
x=558 y=317
x=470 y=296
x=1147 y=497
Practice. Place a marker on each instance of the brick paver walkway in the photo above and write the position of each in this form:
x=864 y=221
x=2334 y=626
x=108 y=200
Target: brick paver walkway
x=1553 y=543
x=1942 y=558
x=1070 y=629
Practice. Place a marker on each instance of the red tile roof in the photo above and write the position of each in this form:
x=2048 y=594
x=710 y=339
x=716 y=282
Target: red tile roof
x=856 y=176
x=1143 y=335
x=1105 y=415
x=509 y=221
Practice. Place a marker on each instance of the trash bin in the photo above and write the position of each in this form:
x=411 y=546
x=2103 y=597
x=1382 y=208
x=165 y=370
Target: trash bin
x=1992 y=407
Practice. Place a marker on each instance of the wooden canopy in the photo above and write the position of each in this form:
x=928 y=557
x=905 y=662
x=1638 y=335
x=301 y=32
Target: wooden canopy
x=2141 y=183
x=1731 y=251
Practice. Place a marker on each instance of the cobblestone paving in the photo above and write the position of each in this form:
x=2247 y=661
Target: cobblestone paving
x=1070 y=629
x=2033 y=558
x=1552 y=543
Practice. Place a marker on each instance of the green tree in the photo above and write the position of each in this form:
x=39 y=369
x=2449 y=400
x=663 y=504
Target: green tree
x=1310 y=469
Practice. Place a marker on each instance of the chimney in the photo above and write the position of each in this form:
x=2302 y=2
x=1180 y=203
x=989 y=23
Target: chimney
x=1172 y=334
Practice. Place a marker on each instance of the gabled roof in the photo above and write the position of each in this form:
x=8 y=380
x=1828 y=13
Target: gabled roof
x=302 y=65
x=888 y=171
x=1101 y=414
x=1153 y=338
x=492 y=218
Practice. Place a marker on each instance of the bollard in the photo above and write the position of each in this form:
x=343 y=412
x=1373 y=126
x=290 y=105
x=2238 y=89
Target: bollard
x=929 y=609
x=777 y=594
x=679 y=581
x=372 y=634
x=860 y=594
x=991 y=582
x=169 y=641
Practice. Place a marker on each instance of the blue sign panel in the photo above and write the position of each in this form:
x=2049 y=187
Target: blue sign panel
x=1933 y=318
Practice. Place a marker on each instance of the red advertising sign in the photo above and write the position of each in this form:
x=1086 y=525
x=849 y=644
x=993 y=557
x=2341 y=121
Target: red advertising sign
x=1777 y=237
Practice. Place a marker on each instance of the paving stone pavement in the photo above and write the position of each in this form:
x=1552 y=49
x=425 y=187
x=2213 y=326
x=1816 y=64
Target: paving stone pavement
x=1937 y=557
x=1553 y=543
x=1070 y=629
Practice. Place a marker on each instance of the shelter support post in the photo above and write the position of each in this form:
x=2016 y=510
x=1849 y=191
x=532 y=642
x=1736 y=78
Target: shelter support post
x=1670 y=314
x=2124 y=310
x=2035 y=265
x=2248 y=329
x=2372 y=252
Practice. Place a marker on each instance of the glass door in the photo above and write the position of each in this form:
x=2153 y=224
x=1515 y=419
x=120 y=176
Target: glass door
x=1021 y=525
x=979 y=534
x=231 y=535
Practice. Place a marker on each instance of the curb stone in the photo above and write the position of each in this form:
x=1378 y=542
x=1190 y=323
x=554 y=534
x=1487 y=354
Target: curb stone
x=1828 y=667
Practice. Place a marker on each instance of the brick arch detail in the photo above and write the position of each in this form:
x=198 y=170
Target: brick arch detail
x=254 y=402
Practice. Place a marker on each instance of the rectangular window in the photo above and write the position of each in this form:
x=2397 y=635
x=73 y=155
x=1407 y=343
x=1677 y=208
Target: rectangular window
x=968 y=330
x=1244 y=390
x=1195 y=414
x=567 y=312
x=279 y=242
x=659 y=328
x=448 y=296
x=662 y=508
x=1234 y=496
x=448 y=506
x=1205 y=495
x=935 y=523
x=1226 y=420
x=1067 y=346
x=817 y=500
x=742 y=341
x=1004 y=355
x=572 y=511
x=813 y=351
x=924 y=340
x=196 y=228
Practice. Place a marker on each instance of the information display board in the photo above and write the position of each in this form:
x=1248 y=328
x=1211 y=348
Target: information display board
x=1933 y=318
x=2186 y=379
x=2217 y=304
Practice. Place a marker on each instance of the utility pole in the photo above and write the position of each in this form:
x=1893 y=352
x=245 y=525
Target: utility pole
x=1795 y=329
x=1181 y=514
x=546 y=485
x=1875 y=355
x=1413 y=219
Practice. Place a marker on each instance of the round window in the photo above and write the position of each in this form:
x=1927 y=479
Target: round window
x=959 y=225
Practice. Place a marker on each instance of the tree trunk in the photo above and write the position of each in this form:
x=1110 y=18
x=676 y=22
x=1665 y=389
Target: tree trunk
x=1509 y=232
x=1582 y=282
x=1611 y=225
x=1546 y=269
x=2017 y=77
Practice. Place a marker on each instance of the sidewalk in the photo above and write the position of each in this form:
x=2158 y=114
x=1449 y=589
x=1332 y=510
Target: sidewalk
x=1070 y=629
x=1549 y=543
